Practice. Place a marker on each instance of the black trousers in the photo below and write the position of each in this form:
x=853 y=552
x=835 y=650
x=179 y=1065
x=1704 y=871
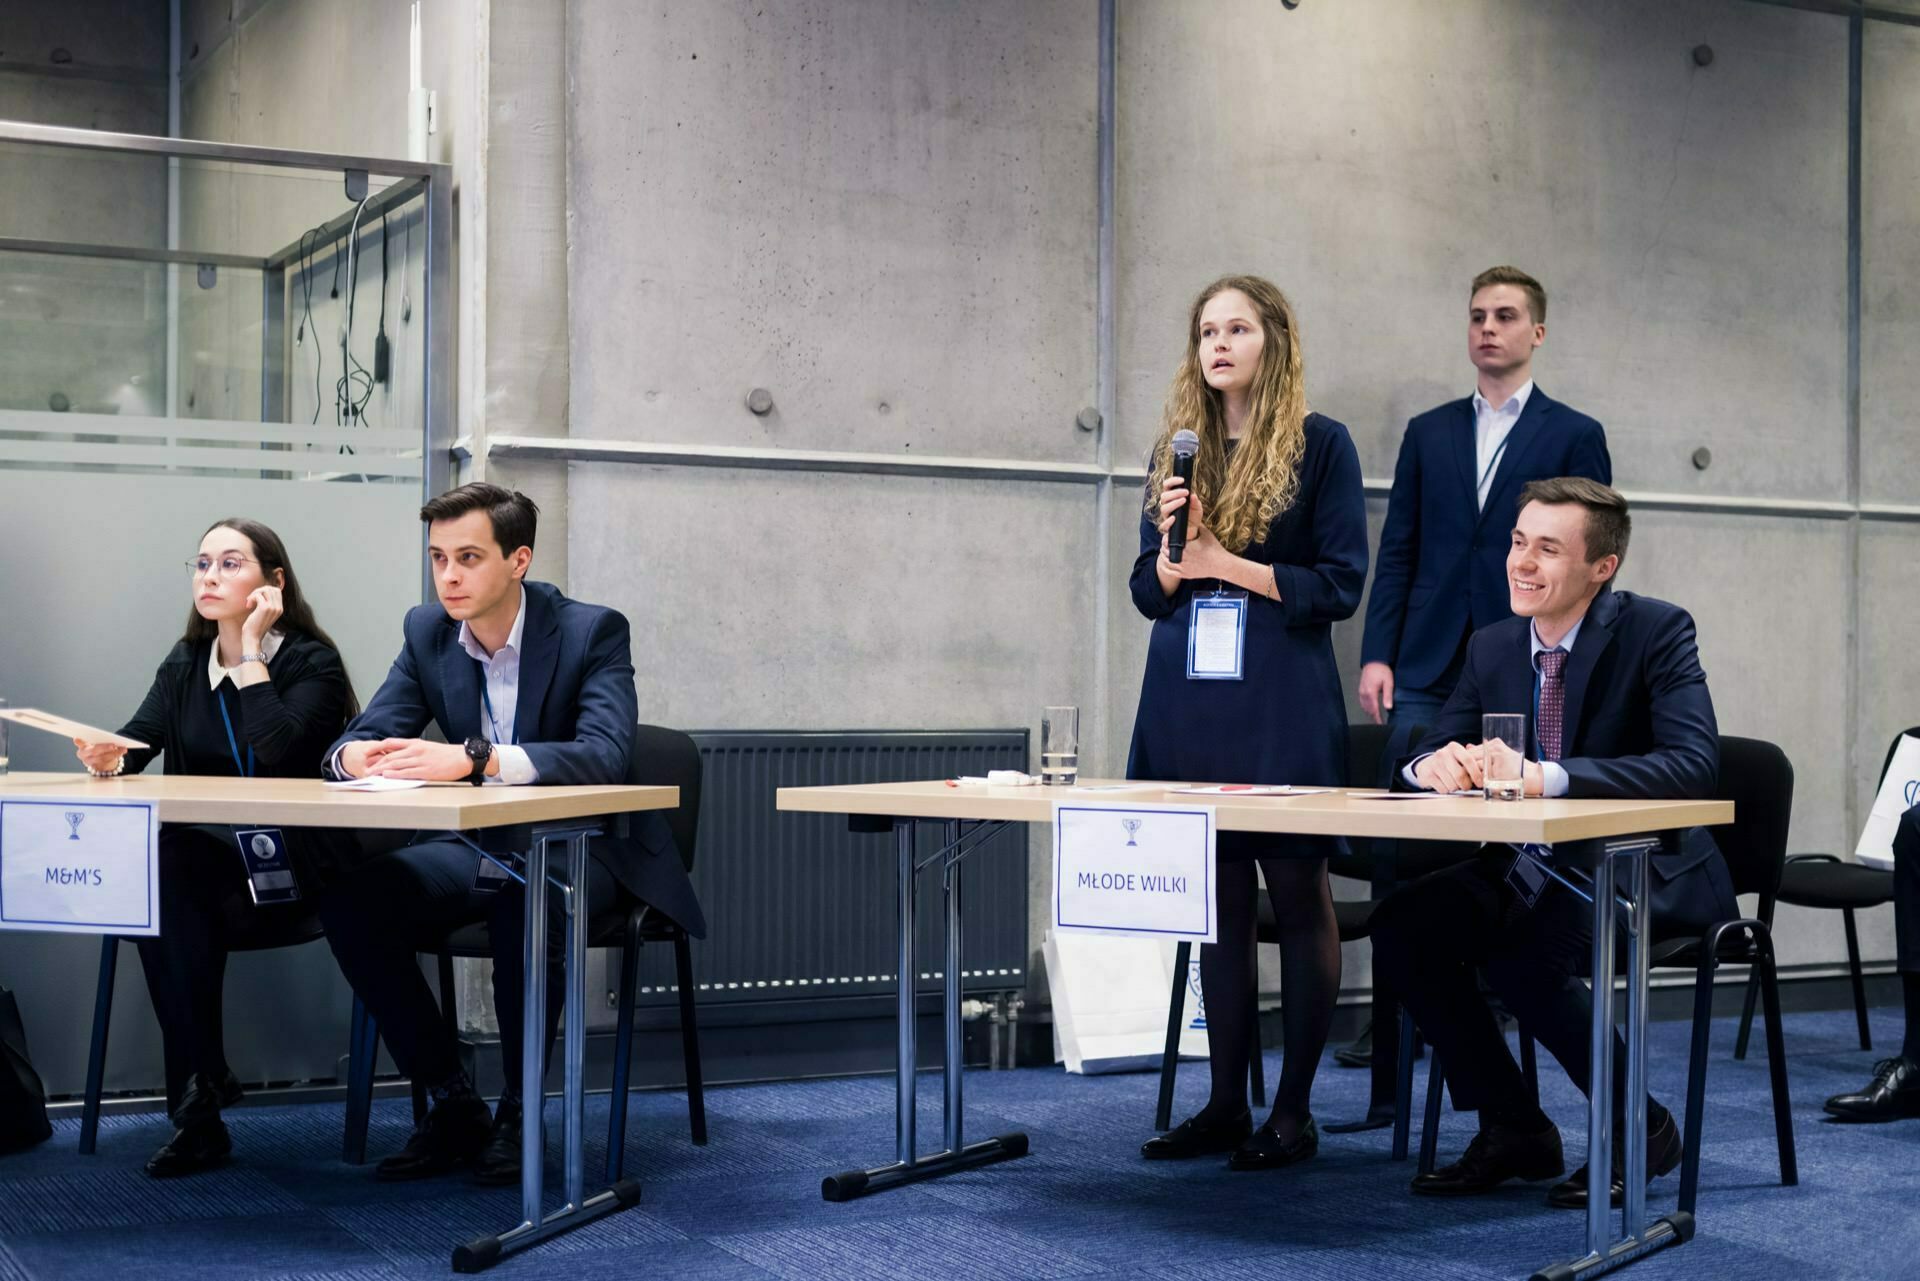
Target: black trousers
x=203 y=898
x=1906 y=892
x=380 y=916
x=1430 y=937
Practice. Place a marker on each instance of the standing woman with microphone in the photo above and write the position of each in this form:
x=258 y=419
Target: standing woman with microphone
x=254 y=689
x=1240 y=683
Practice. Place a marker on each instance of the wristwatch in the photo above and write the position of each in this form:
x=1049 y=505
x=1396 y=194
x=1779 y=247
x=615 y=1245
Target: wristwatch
x=252 y=658
x=479 y=751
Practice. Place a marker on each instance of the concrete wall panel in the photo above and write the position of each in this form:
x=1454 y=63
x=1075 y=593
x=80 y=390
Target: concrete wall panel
x=881 y=213
x=1890 y=264
x=1371 y=156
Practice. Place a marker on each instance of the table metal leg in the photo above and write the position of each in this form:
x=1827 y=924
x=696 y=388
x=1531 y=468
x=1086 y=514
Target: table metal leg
x=1640 y=1238
x=908 y=1167
x=536 y=1226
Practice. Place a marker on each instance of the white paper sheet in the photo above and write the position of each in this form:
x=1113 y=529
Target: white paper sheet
x=34 y=718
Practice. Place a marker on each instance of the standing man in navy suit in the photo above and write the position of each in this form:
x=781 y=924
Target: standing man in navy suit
x=1441 y=571
x=1619 y=708
x=527 y=687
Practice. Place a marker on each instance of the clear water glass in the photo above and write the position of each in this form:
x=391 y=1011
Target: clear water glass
x=1060 y=746
x=1504 y=737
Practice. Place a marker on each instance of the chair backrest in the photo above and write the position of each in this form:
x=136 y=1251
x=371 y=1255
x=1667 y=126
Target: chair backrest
x=665 y=757
x=1758 y=778
x=1366 y=745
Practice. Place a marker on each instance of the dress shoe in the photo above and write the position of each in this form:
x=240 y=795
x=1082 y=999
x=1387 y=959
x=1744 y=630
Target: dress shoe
x=450 y=1136
x=1663 y=1154
x=1193 y=1137
x=205 y=1145
x=1266 y=1150
x=200 y=1140
x=499 y=1163
x=1893 y=1093
x=1359 y=1054
x=1495 y=1155
x=1379 y=1116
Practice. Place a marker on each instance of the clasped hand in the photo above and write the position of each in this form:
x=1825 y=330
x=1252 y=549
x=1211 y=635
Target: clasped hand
x=1201 y=559
x=412 y=758
x=1460 y=767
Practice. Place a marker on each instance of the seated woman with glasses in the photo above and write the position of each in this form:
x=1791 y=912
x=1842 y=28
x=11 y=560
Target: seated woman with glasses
x=253 y=688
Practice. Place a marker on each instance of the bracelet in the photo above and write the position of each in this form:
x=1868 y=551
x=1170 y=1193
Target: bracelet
x=253 y=658
x=110 y=773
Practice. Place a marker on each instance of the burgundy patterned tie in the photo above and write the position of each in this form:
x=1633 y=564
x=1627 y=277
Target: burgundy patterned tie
x=1553 y=702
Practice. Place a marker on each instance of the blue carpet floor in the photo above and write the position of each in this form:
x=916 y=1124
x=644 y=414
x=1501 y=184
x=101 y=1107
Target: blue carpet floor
x=1081 y=1205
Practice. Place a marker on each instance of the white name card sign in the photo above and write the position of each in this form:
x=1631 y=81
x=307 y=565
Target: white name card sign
x=1125 y=869
x=79 y=866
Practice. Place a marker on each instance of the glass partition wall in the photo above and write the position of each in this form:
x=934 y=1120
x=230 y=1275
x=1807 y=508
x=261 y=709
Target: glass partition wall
x=191 y=331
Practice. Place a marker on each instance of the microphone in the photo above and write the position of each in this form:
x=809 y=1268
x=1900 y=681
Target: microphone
x=1185 y=446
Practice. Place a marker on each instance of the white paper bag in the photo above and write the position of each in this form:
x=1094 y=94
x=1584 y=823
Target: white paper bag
x=1110 y=1002
x=1899 y=792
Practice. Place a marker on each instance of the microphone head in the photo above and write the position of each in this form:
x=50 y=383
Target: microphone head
x=1185 y=444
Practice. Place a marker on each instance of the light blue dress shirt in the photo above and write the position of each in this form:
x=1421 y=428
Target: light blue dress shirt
x=500 y=699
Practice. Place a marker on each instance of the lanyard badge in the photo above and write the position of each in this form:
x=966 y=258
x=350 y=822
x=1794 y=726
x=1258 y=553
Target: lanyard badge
x=263 y=850
x=1217 y=637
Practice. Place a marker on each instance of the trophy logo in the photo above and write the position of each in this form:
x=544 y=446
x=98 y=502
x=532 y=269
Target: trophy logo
x=1913 y=792
x=1199 y=1021
x=74 y=819
x=1133 y=828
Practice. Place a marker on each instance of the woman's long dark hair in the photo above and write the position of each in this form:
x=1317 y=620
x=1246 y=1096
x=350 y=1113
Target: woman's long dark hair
x=295 y=614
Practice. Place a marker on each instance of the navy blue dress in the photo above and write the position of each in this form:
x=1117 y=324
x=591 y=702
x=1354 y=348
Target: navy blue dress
x=1286 y=722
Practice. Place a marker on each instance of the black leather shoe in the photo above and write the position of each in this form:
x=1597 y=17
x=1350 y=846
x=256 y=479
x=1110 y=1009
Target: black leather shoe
x=1191 y=1138
x=1663 y=1154
x=1360 y=1053
x=1496 y=1155
x=1266 y=1150
x=1893 y=1093
x=200 y=1139
x=205 y=1145
x=450 y=1136
x=230 y=1091
x=1379 y=1116
x=499 y=1163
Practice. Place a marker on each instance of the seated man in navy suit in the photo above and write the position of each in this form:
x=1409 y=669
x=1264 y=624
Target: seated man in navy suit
x=1622 y=711
x=527 y=687
x=1894 y=1091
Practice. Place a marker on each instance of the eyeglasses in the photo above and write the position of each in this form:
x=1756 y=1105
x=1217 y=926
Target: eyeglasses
x=230 y=566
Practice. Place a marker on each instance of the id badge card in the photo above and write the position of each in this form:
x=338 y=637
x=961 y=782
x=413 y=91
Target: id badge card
x=269 y=871
x=490 y=877
x=1527 y=877
x=1217 y=637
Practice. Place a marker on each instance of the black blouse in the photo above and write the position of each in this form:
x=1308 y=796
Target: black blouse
x=287 y=721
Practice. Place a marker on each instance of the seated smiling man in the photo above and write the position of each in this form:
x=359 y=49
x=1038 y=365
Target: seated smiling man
x=1621 y=710
x=527 y=687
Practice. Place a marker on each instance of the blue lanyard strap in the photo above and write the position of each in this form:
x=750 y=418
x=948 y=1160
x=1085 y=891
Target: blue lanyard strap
x=246 y=771
x=486 y=700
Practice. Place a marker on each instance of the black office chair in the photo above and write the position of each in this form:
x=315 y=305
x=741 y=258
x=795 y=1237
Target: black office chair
x=1825 y=881
x=1757 y=777
x=661 y=757
x=246 y=929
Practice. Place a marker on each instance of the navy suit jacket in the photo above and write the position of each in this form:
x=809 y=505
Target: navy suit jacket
x=1442 y=568
x=1639 y=724
x=575 y=718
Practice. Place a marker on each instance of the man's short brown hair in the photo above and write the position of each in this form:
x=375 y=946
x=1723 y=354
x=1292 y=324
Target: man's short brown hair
x=1608 y=525
x=1536 y=293
x=512 y=513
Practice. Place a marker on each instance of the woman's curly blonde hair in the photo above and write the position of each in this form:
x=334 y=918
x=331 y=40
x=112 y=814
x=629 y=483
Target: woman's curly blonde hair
x=1242 y=497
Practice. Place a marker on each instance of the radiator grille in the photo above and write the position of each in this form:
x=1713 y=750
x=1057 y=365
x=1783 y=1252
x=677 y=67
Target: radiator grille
x=799 y=907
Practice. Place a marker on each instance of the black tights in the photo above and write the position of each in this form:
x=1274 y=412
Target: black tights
x=1309 y=982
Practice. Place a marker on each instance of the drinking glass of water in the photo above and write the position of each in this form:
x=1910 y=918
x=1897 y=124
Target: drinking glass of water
x=1059 y=746
x=3 y=743
x=1505 y=738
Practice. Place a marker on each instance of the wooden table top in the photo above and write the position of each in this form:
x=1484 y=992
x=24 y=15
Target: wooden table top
x=301 y=802
x=1337 y=812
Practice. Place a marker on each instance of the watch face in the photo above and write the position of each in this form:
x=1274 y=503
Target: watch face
x=478 y=749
